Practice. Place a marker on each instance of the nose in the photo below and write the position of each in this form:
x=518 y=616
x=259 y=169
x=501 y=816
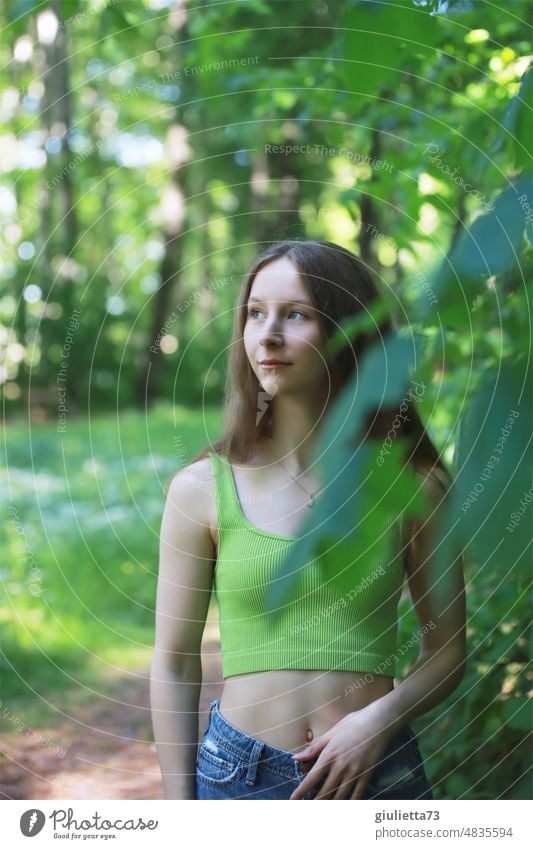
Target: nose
x=270 y=335
x=270 y=340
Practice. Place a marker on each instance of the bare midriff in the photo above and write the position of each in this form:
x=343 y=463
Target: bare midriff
x=288 y=708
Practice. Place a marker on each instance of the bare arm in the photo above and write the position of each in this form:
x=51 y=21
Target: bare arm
x=441 y=611
x=183 y=592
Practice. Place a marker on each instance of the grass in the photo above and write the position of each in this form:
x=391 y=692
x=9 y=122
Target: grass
x=79 y=567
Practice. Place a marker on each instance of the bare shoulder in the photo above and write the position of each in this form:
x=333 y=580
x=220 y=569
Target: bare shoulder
x=419 y=532
x=433 y=483
x=192 y=488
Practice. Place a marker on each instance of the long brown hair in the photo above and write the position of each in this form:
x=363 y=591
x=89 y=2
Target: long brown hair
x=339 y=285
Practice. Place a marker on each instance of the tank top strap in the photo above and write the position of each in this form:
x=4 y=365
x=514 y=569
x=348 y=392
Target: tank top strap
x=228 y=510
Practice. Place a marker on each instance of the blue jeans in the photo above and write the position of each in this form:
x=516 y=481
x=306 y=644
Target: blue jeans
x=232 y=765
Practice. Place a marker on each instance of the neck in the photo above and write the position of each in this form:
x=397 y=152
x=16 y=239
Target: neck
x=295 y=434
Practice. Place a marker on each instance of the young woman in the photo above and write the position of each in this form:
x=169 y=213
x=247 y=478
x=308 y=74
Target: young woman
x=308 y=708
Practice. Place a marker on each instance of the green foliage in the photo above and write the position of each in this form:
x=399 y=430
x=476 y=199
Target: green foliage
x=381 y=40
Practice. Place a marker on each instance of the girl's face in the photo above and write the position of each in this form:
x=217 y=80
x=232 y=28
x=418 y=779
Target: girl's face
x=283 y=325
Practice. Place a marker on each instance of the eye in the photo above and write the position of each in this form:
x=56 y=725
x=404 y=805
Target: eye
x=252 y=310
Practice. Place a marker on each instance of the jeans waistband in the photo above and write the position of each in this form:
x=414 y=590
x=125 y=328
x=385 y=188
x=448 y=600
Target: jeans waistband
x=251 y=750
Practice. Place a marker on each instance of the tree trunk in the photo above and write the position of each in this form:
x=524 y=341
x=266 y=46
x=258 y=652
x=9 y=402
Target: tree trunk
x=369 y=216
x=174 y=211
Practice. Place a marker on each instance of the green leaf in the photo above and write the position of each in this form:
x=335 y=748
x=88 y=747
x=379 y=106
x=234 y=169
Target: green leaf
x=492 y=244
x=495 y=470
x=366 y=322
x=387 y=490
x=380 y=40
x=381 y=382
x=350 y=520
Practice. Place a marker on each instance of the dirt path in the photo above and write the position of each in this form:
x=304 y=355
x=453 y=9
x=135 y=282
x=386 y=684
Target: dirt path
x=103 y=751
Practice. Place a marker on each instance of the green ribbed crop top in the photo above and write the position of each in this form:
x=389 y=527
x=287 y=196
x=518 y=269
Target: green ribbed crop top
x=322 y=628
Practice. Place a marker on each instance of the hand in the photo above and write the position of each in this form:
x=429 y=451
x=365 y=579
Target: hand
x=346 y=755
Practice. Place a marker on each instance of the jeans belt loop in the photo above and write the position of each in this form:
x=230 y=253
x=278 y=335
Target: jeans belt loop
x=299 y=773
x=211 y=709
x=254 y=760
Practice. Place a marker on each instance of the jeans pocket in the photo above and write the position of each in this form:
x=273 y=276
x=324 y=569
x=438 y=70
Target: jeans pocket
x=216 y=766
x=401 y=771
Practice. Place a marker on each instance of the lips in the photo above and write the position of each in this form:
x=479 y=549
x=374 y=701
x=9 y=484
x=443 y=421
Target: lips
x=273 y=363
x=273 y=366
